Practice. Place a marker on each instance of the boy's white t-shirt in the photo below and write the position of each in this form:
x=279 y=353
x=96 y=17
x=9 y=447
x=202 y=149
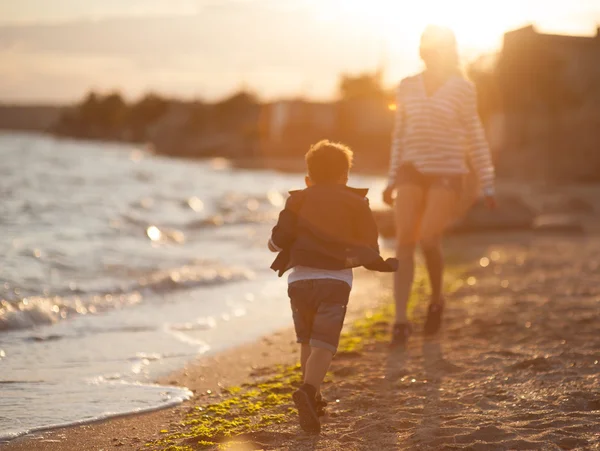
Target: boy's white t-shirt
x=306 y=273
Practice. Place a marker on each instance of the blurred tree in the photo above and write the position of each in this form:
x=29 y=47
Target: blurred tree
x=363 y=119
x=144 y=113
x=235 y=111
x=148 y=109
x=88 y=109
x=363 y=86
x=112 y=111
x=199 y=117
x=237 y=103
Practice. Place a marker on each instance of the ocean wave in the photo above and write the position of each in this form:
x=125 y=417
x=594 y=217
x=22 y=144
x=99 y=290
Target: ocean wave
x=35 y=311
x=219 y=220
x=188 y=277
x=200 y=324
x=228 y=210
x=202 y=346
x=240 y=209
x=39 y=311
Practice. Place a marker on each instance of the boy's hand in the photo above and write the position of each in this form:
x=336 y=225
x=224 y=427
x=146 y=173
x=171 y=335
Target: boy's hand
x=388 y=195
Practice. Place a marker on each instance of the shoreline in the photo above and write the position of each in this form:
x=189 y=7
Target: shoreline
x=229 y=367
x=109 y=417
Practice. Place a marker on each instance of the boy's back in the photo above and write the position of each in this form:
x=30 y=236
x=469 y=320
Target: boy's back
x=322 y=225
x=336 y=214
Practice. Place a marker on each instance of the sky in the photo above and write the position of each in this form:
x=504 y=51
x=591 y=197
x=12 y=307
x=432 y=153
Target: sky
x=55 y=51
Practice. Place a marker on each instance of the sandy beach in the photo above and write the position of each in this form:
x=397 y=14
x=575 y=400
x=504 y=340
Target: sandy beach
x=161 y=158
x=516 y=367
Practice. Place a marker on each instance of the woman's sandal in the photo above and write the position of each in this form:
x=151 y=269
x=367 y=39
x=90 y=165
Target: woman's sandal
x=400 y=334
x=433 y=323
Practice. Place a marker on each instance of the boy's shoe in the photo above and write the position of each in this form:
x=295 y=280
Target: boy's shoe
x=321 y=404
x=304 y=399
x=434 y=319
x=400 y=334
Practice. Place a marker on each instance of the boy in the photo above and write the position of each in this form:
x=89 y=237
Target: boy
x=323 y=232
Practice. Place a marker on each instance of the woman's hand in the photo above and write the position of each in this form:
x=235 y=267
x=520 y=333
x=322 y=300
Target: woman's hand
x=490 y=202
x=388 y=195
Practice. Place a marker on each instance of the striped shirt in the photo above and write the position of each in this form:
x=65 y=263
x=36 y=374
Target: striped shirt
x=438 y=134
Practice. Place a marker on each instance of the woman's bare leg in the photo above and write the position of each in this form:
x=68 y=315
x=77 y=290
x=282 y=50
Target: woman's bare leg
x=440 y=210
x=408 y=210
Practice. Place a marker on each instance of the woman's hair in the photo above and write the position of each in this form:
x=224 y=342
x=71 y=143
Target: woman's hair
x=439 y=48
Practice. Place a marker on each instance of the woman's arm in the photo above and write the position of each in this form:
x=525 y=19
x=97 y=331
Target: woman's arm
x=396 y=151
x=478 y=148
x=397 y=140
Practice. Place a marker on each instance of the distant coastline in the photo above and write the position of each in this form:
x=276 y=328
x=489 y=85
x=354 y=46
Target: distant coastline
x=30 y=118
x=538 y=103
x=239 y=128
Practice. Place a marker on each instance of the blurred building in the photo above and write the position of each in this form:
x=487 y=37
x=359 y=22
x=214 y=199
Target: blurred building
x=287 y=117
x=550 y=90
x=289 y=127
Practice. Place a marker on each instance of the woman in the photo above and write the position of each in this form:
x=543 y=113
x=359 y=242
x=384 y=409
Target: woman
x=437 y=136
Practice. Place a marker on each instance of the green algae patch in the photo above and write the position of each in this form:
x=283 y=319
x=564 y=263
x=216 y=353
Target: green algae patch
x=266 y=402
x=180 y=448
x=238 y=411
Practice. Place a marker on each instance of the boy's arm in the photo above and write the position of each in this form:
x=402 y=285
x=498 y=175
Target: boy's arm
x=370 y=235
x=284 y=232
x=273 y=247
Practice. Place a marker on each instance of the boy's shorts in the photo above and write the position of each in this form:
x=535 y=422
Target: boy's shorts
x=319 y=309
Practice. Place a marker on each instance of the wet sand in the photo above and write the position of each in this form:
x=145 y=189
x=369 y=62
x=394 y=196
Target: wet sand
x=516 y=367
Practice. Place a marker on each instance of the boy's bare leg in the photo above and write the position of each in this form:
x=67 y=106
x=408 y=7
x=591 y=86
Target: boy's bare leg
x=304 y=355
x=305 y=352
x=317 y=366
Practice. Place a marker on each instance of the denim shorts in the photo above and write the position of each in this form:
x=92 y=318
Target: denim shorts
x=408 y=174
x=319 y=309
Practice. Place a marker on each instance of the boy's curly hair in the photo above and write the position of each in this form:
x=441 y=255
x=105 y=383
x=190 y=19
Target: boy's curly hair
x=328 y=162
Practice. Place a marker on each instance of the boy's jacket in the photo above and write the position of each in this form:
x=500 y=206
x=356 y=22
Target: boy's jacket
x=329 y=227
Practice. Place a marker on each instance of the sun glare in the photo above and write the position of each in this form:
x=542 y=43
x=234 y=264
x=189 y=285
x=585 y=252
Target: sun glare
x=478 y=25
